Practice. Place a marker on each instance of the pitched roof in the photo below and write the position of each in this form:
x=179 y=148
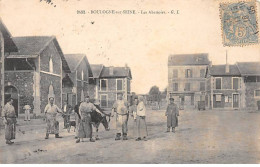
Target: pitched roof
x=220 y=70
x=118 y=72
x=34 y=45
x=75 y=59
x=249 y=68
x=188 y=59
x=9 y=45
x=96 y=70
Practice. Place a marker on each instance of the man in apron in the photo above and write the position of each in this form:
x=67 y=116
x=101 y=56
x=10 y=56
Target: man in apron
x=120 y=108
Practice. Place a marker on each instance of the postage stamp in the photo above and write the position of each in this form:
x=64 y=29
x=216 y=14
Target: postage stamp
x=239 y=23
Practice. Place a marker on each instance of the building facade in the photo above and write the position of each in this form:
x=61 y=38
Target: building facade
x=107 y=82
x=35 y=72
x=225 y=87
x=81 y=71
x=186 y=79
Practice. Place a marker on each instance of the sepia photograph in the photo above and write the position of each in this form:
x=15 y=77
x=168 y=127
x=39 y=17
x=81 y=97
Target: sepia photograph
x=129 y=82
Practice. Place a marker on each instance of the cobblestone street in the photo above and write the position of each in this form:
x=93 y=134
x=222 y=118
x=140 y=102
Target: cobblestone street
x=202 y=137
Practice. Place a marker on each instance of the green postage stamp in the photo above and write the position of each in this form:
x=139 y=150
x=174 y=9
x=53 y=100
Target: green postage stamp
x=239 y=23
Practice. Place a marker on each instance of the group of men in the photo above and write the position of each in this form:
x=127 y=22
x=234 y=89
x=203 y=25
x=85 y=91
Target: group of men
x=124 y=113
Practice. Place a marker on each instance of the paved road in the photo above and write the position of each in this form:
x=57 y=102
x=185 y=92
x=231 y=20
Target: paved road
x=202 y=137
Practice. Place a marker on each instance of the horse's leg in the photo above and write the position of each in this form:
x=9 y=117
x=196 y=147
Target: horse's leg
x=97 y=138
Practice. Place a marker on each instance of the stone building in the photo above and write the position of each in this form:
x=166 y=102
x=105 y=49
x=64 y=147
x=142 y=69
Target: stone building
x=80 y=73
x=107 y=82
x=186 y=79
x=35 y=72
x=224 y=87
x=7 y=45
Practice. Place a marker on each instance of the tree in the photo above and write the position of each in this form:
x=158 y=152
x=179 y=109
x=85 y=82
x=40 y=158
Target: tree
x=155 y=95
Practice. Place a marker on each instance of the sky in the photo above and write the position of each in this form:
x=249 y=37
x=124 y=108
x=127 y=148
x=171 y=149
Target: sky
x=143 y=42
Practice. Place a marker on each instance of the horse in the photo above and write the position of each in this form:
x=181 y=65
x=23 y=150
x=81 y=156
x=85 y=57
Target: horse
x=96 y=119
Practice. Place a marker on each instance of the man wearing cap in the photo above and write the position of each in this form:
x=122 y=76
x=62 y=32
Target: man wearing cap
x=120 y=108
x=9 y=117
x=172 y=114
x=50 y=111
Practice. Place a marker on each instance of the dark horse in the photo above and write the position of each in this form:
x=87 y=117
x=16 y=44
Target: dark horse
x=96 y=119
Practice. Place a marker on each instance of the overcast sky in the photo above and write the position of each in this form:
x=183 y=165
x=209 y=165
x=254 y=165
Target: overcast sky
x=144 y=42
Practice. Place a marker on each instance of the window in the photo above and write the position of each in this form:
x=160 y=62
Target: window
x=128 y=85
x=235 y=83
x=187 y=87
x=202 y=73
x=175 y=86
x=188 y=73
x=218 y=83
x=103 y=100
x=202 y=86
x=82 y=75
x=51 y=65
x=175 y=73
x=218 y=97
x=119 y=84
x=257 y=93
x=103 y=84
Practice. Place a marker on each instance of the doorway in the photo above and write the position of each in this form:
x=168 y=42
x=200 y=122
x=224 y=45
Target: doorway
x=12 y=92
x=235 y=100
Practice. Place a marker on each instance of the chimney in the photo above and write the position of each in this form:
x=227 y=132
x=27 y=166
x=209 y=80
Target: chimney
x=111 y=70
x=227 y=65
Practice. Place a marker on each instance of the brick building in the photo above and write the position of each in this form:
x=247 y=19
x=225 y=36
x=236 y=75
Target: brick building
x=186 y=79
x=107 y=82
x=35 y=72
x=81 y=71
x=7 y=45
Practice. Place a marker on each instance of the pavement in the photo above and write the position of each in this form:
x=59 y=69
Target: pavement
x=221 y=137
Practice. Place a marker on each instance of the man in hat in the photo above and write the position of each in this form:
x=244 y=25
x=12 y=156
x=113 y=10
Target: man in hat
x=172 y=113
x=9 y=117
x=50 y=111
x=120 y=108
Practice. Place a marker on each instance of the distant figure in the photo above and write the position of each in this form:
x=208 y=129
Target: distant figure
x=66 y=110
x=50 y=111
x=85 y=127
x=9 y=116
x=27 y=110
x=139 y=116
x=172 y=114
x=121 y=111
x=131 y=120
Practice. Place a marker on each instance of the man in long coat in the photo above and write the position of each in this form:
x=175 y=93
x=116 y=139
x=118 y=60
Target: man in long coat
x=172 y=114
x=50 y=111
x=120 y=108
x=85 y=127
x=9 y=121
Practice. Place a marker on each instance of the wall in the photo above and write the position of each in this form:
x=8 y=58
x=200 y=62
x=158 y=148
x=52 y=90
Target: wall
x=23 y=81
x=51 y=51
x=250 y=99
x=45 y=82
x=1 y=71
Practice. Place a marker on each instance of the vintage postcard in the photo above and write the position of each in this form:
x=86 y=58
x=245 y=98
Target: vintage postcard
x=129 y=82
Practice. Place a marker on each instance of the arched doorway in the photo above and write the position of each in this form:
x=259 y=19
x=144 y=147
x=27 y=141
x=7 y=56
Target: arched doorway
x=12 y=92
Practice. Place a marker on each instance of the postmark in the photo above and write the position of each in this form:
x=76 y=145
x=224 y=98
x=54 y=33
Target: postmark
x=239 y=23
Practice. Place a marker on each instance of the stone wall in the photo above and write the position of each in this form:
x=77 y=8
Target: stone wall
x=250 y=99
x=23 y=81
x=45 y=82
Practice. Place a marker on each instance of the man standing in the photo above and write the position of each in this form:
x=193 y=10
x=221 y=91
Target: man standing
x=9 y=117
x=139 y=116
x=50 y=111
x=85 y=127
x=172 y=114
x=27 y=109
x=121 y=110
x=66 y=111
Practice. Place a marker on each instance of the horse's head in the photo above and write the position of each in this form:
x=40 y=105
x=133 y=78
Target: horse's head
x=106 y=122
